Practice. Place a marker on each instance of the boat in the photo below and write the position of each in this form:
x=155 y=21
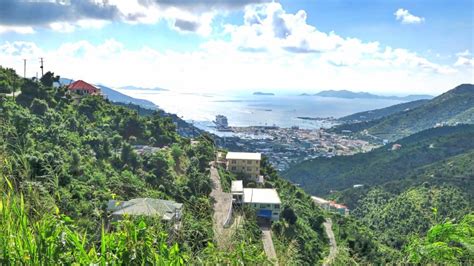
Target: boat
x=221 y=123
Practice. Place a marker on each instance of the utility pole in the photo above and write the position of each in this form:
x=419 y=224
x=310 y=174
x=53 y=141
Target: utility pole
x=42 y=70
x=24 y=68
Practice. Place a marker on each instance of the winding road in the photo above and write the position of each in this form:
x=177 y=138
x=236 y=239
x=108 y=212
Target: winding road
x=332 y=242
x=223 y=201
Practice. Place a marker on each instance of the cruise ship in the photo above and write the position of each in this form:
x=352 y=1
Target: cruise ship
x=222 y=123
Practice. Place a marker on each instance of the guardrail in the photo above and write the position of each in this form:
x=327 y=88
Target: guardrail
x=228 y=219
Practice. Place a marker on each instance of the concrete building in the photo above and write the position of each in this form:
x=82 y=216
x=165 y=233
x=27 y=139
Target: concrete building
x=244 y=162
x=265 y=200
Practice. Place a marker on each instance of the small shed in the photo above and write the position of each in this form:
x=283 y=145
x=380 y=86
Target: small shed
x=237 y=191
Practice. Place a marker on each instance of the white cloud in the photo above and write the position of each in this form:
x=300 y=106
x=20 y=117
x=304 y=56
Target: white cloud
x=67 y=27
x=464 y=61
x=272 y=50
x=17 y=29
x=112 y=64
x=67 y=16
x=464 y=53
x=407 y=18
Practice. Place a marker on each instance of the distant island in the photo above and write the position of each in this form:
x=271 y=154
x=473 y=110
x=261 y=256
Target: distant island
x=365 y=95
x=141 y=88
x=264 y=93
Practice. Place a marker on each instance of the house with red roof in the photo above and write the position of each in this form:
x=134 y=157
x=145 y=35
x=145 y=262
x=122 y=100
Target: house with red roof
x=83 y=88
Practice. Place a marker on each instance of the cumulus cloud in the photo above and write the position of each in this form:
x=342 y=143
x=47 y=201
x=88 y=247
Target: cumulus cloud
x=406 y=17
x=464 y=53
x=17 y=29
x=113 y=64
x=464 y=61
x=38 y=13
x=273 y=49
x=67 y=15
x=269 y=28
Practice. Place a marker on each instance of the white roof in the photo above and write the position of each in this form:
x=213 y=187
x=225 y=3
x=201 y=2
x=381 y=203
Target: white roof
x=319 y=200
x=261 y=195
x=237 y=186
x=243 y=156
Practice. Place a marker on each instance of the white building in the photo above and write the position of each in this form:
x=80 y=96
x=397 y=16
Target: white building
x=265 y=200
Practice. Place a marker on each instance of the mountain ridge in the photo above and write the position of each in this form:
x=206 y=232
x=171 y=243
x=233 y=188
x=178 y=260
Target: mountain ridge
x=346 y=94
x=450 y=108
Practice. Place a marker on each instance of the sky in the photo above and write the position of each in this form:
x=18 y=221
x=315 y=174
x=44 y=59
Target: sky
x=379 y=46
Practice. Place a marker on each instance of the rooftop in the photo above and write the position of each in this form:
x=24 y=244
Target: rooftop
x=261 y=195
x=319 y=200
x=237 y=186
x=243 y=156
x=82 y=85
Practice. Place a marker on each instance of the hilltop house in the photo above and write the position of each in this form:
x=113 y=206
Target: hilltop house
x=166 y=209
x=245 y=163
x=331 y=205
x=81 y=87
x=265 y=200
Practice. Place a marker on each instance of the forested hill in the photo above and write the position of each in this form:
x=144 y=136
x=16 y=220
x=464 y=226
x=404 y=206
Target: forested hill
x=450 y=108
x=406 y=191
x=383 y=112
x=321 y=175
x=365 y=95
x=63 y=158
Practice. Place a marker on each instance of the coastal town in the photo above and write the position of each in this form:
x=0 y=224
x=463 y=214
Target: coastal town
x=287 y=146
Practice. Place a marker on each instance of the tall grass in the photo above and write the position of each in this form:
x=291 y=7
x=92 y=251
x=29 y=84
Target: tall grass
x=53 y=239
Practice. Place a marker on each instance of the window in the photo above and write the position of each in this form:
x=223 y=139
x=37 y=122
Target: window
x=233 y=168
x=275 y=213
x=277 y=206
x=249 y=162
x=256 y=169
x=233 y=161
x=249 y=169
x=257 y=162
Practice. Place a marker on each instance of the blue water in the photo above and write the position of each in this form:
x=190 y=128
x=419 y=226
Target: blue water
x=254 y=110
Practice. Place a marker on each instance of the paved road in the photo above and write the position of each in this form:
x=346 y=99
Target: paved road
x=222 y=205
x=332 y=242
x=268 y=244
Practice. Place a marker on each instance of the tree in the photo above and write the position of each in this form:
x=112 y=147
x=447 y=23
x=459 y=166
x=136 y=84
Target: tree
x=39 y=107
x=445 y=243
x=48 y=79
x=289 y=215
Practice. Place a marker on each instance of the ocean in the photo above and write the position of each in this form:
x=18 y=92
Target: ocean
x=246 y=109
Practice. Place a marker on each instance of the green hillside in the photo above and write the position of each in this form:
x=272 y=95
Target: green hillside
x=450 y=108
x=321 y=175
x=383 y=112
x=63 y=158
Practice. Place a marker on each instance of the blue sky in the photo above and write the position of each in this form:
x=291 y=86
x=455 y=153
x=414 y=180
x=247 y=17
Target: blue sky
x=382 y=46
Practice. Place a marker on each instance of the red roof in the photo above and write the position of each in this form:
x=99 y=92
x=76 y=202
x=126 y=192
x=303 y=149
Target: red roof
x=82 y=85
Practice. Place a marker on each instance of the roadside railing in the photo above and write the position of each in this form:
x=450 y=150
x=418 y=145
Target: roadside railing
x=228 y=219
